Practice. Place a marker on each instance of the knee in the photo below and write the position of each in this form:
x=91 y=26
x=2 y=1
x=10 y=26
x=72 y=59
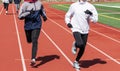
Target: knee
x=79 y=45
x=34 y=41
x=29 y=40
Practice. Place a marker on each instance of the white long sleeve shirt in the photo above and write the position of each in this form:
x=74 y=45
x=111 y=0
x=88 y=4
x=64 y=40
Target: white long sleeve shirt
x=77 y=17
x=5 y=1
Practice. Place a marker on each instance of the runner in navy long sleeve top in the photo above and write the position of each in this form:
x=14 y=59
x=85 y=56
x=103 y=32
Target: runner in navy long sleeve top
x=31 y=12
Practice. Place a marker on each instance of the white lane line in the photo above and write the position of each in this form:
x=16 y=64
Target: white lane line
x=1 y=11
x=113 y=59
x=58 y=48
x=19 y=42
x=106 y=36
x=107 y=5
x=109 y=27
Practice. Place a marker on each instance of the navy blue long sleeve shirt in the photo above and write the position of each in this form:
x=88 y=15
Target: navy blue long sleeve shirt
x=34 y=13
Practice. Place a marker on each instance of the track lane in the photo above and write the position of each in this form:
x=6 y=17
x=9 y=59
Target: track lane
x=94 y=62
x=65 y=45
x=105 y=31
x=47 y=53
x=114 y=40
x=9 y=51
x=61 y=23
x=51 y=58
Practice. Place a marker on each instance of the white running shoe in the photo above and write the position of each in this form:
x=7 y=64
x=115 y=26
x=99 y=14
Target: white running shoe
x=32 y=62
x=74 y=49
x=76 y=65
x=6 y=12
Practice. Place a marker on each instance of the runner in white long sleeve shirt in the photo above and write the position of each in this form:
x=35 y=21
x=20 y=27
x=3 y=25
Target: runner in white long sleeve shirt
x=6 y=5
x=78 y=17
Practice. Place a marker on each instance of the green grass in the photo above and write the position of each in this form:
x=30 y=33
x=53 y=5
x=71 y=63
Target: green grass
x=106 y=9
x=107 y=15
x=109 y=21
x=63 y=7
x=111 y=3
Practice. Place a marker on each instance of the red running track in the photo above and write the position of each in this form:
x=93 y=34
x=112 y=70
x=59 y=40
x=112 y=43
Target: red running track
x=54 y=52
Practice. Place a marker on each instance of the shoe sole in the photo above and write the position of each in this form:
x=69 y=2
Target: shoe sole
x=75 y=67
